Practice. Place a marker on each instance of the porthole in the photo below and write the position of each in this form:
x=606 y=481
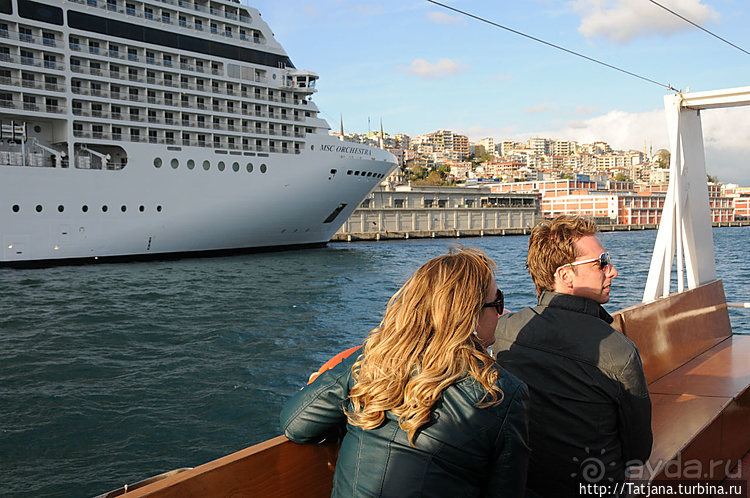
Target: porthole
x=104 y=208
x=274 y=75
x=175 y=163
x=236 y=167
x=16 y=208
x=37 y=129
x=221 y=166
x=142 y=208
x=158 y=209
x=123 y=208
x=60 y=208
x=190 y=164
x=85 y=208
x=349 y=172
x=157 y=162
x=263 y=168
x=312 y=147
x=249 y=167
x=206 y=165
x=39 y=208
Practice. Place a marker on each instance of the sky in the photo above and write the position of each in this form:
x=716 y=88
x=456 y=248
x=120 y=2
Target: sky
x=420 y=67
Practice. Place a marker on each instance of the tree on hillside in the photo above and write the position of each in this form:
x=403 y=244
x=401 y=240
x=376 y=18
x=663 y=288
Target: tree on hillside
x=622 y=177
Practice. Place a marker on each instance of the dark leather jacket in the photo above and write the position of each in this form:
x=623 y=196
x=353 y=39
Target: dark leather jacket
x=590 y=411
x=463 y=451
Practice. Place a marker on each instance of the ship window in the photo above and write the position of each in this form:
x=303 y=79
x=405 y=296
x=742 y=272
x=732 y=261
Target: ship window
x=123 y=208
x=141 y=208
x=84 y=208
x=104 y=208
x=190 y=164
x=263 y=168
x=38 y=12
x=206 y=165
x=158 y=209
x=16 y=208
x=221 y=166
x=249 y=167
x=236 y=167
x=349 y=172
x=157 y=161
x=175 y=163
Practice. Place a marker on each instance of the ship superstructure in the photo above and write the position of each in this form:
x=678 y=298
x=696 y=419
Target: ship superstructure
x=137 y=128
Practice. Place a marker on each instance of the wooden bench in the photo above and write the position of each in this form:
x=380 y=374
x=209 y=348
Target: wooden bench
x=698 y=375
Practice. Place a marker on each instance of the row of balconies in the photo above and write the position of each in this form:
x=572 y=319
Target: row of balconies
x=217 y=142
x=79 y=90
x=183 y=122
x=32 y=61
x=48 y=61
x=166 y=18
x=215 y=108
x=34 y=84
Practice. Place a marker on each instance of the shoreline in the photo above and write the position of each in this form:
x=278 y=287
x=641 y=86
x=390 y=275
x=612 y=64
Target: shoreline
x=494 y=232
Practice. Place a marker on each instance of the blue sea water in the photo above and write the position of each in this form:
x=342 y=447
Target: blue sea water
x=110 y=374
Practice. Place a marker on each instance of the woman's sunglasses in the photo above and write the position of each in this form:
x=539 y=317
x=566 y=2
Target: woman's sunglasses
x=498 y=303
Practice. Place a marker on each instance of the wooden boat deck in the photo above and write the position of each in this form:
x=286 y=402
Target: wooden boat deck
x=698 y=375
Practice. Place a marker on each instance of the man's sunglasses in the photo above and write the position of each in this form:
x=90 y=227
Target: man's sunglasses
x=498 y=303
x=603 y=260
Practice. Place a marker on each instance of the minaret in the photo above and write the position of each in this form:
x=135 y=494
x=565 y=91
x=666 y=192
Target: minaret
x=381 y=133
x=342 y=128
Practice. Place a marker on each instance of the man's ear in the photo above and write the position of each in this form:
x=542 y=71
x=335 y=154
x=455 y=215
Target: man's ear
x=563 y=277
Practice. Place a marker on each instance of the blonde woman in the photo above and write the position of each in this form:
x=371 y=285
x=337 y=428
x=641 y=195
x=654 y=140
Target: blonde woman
x=426 y=409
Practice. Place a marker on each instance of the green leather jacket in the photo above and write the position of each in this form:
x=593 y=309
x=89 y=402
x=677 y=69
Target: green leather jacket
x=464 y=451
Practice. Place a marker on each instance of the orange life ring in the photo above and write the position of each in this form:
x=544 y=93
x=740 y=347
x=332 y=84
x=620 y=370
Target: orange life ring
x=333 y=362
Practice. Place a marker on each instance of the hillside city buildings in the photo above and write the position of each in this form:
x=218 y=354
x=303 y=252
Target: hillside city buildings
x=614 y=186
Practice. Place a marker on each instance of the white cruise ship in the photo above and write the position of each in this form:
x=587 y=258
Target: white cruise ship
x=138 y=129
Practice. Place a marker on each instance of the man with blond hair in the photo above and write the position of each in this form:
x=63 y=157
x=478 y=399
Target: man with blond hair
x=590 y=411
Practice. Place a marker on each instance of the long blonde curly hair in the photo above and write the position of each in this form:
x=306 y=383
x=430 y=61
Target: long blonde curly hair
x=425 y=343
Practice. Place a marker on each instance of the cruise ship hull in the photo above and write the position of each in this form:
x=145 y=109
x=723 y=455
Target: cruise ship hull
x=64 y=215
x=147 y=129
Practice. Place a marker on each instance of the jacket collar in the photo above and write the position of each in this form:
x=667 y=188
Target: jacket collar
x=574 y=303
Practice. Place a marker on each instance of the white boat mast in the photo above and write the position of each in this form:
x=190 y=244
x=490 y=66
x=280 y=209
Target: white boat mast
x=685 y=226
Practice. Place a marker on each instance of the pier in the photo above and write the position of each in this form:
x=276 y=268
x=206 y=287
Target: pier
x=404 y=212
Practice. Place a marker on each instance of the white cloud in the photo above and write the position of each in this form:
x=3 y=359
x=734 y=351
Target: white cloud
x=583 y=110
x=539 y=109
x=444 y=18
x=623 y=20
x=430 y=70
